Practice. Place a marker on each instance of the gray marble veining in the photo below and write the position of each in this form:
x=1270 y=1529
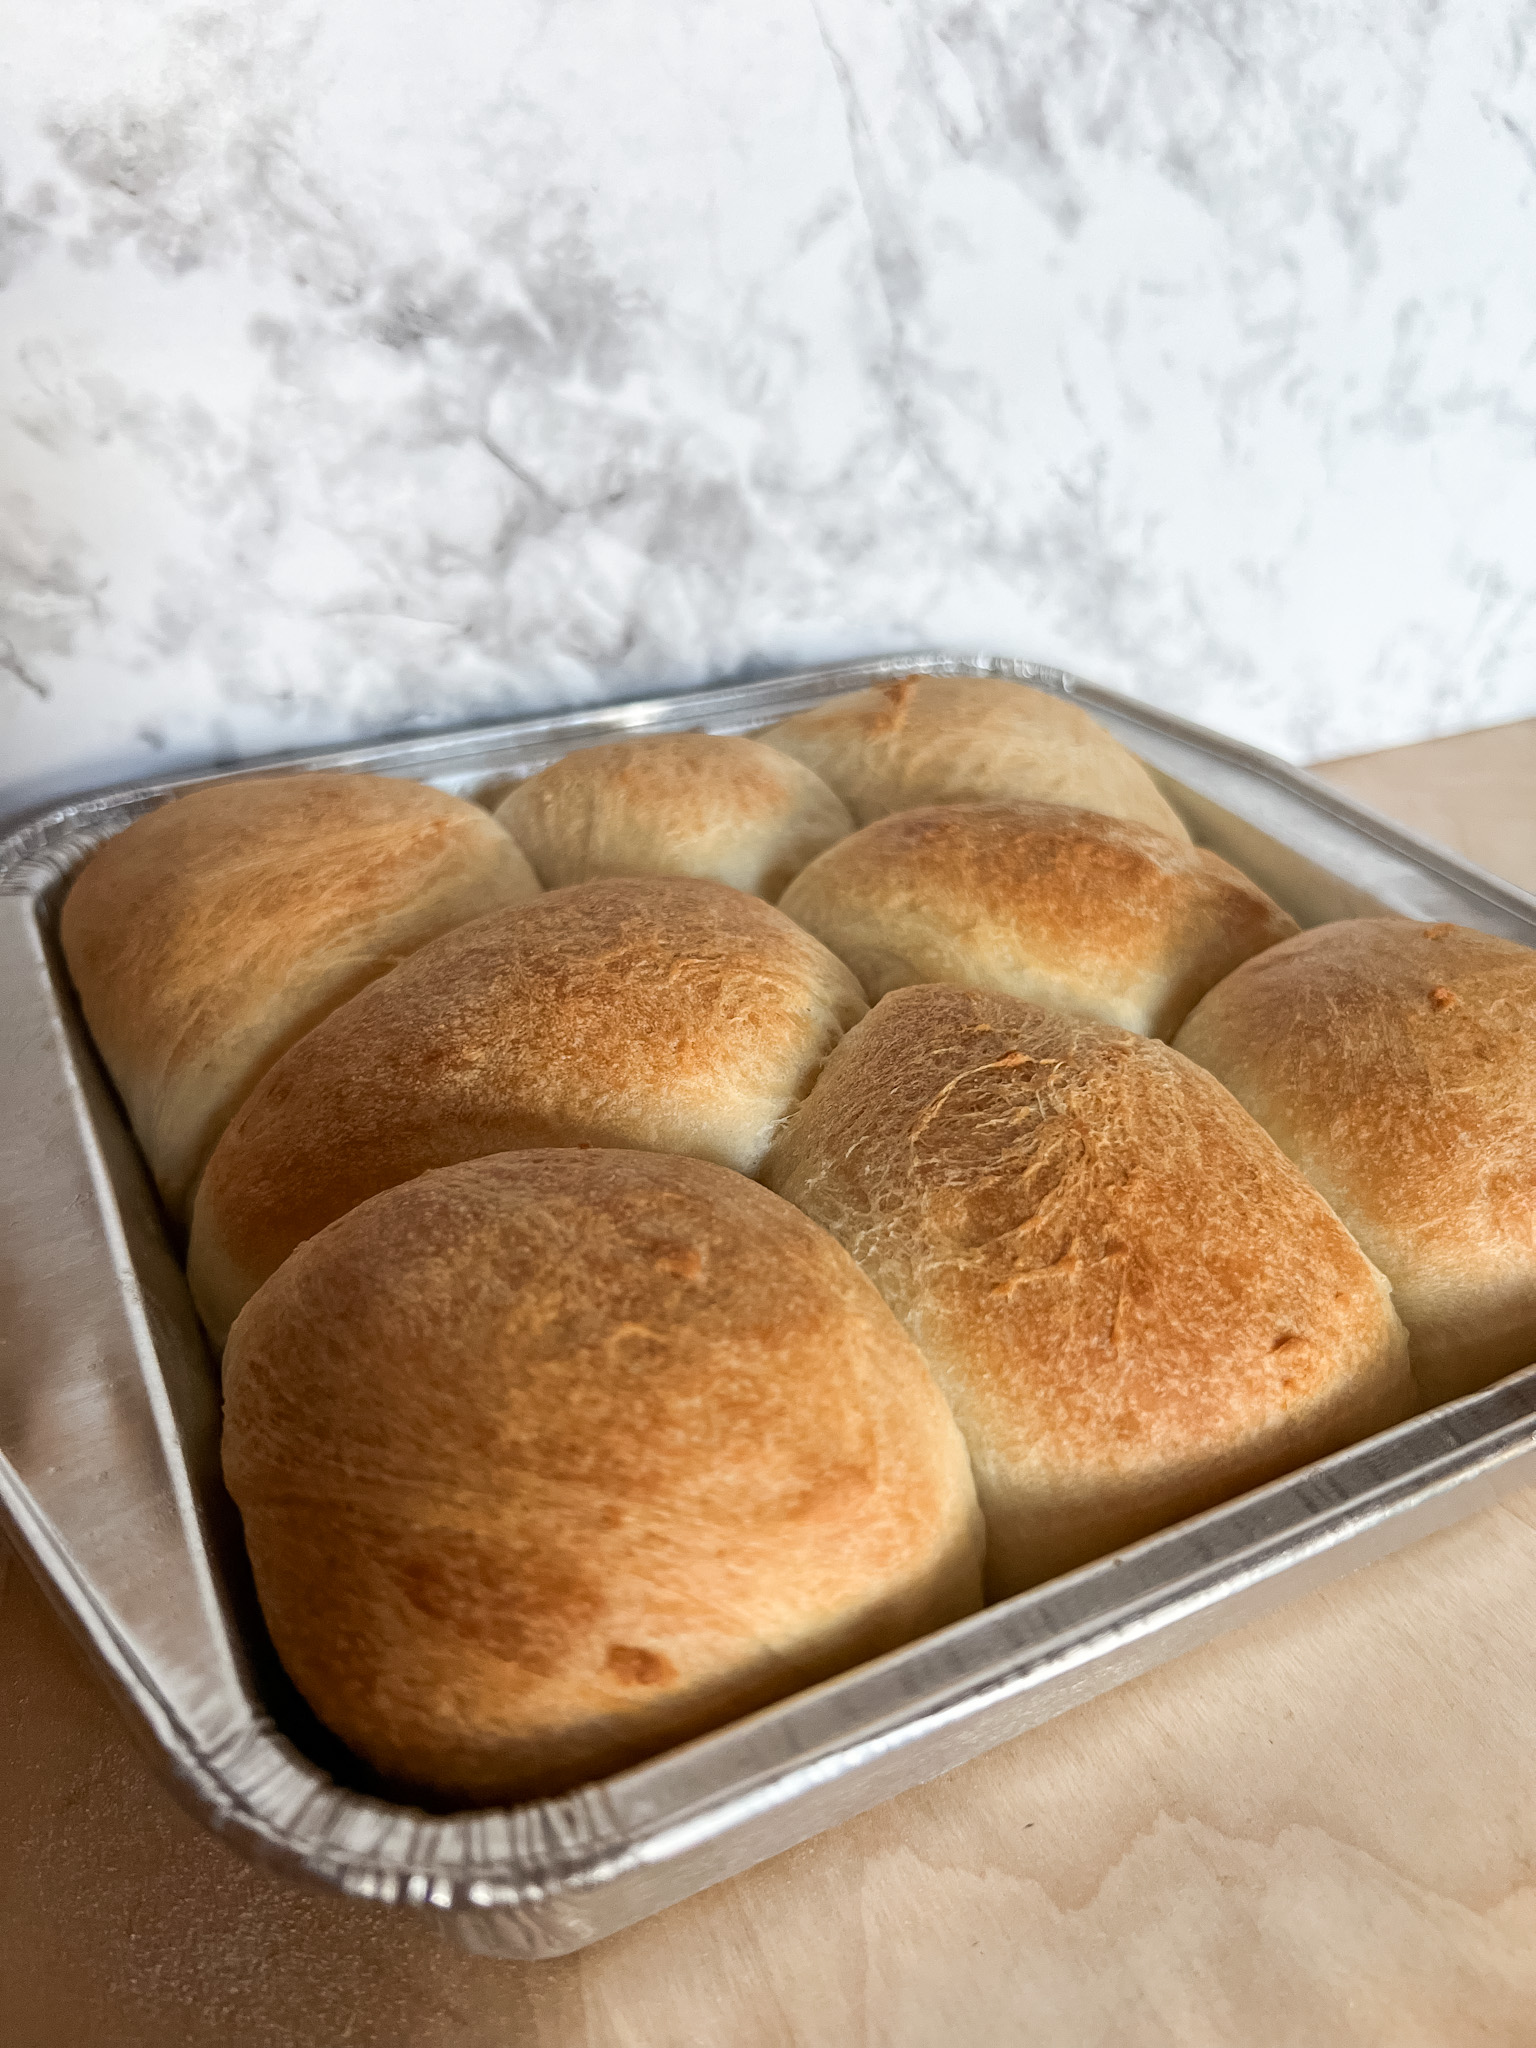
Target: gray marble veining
x=378 y=365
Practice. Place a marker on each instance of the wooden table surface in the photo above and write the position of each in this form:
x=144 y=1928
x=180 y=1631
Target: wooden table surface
x=1321 y=1829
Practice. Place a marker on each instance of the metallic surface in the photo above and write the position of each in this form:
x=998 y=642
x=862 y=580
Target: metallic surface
x=109 y=1421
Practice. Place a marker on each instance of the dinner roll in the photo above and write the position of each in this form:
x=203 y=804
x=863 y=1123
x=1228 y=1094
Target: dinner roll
x=1396 y=1064
x=553 y=1459
x=217 y=929
x=960 y=739
x=677 y=803
x=1133 y=1301
x=669 y=1015
x=1064 y=907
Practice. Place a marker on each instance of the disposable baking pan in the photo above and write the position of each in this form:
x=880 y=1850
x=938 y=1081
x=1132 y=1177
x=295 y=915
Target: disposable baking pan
x=109 y=1420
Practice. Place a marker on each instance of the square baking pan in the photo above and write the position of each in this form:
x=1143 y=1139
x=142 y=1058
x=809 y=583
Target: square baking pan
x=109 y=1418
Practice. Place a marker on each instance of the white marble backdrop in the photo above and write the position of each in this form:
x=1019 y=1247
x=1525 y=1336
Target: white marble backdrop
x=386 y=364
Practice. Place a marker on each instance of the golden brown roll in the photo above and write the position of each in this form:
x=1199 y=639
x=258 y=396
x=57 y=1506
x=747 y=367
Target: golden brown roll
x=1396 y=1064
x=679 y=803
x=213 y=932
x=1063 y=907
x=956 y=739
x=1134 y=1303
x=553 y=1459
x=667 y=1015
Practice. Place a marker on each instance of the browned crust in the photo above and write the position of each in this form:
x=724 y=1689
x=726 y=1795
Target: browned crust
x=687 y=803
x=1135 y=1305
x=1395 y=1062
x=665 y=1014
x=1060 y=906
x=553 y=1459
x=209 y=935
x=923 y=739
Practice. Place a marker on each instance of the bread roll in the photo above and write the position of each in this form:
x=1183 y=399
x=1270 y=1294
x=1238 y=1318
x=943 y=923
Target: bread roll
x=1396 y=1064
x=1066 y=908
x=955 y=739
x=216 y=930
x=1134 y=1303
x=678 y=803
x=553 y=1459
x=667 y=1015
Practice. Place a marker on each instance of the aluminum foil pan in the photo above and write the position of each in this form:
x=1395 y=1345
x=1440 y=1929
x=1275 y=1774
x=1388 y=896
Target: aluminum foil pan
x=109 y=1470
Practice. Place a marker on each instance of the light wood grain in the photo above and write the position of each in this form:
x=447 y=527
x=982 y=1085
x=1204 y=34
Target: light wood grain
x=1475 y=792
x=1319 y=1830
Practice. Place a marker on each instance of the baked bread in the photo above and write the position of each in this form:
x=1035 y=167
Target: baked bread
x=1134 y=1303
x=213 y=932
x=677 y=803
x=958 y=739
x=553 y=1459
x=667 y=1015
x=1396 y=1064
x=1063 y=907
